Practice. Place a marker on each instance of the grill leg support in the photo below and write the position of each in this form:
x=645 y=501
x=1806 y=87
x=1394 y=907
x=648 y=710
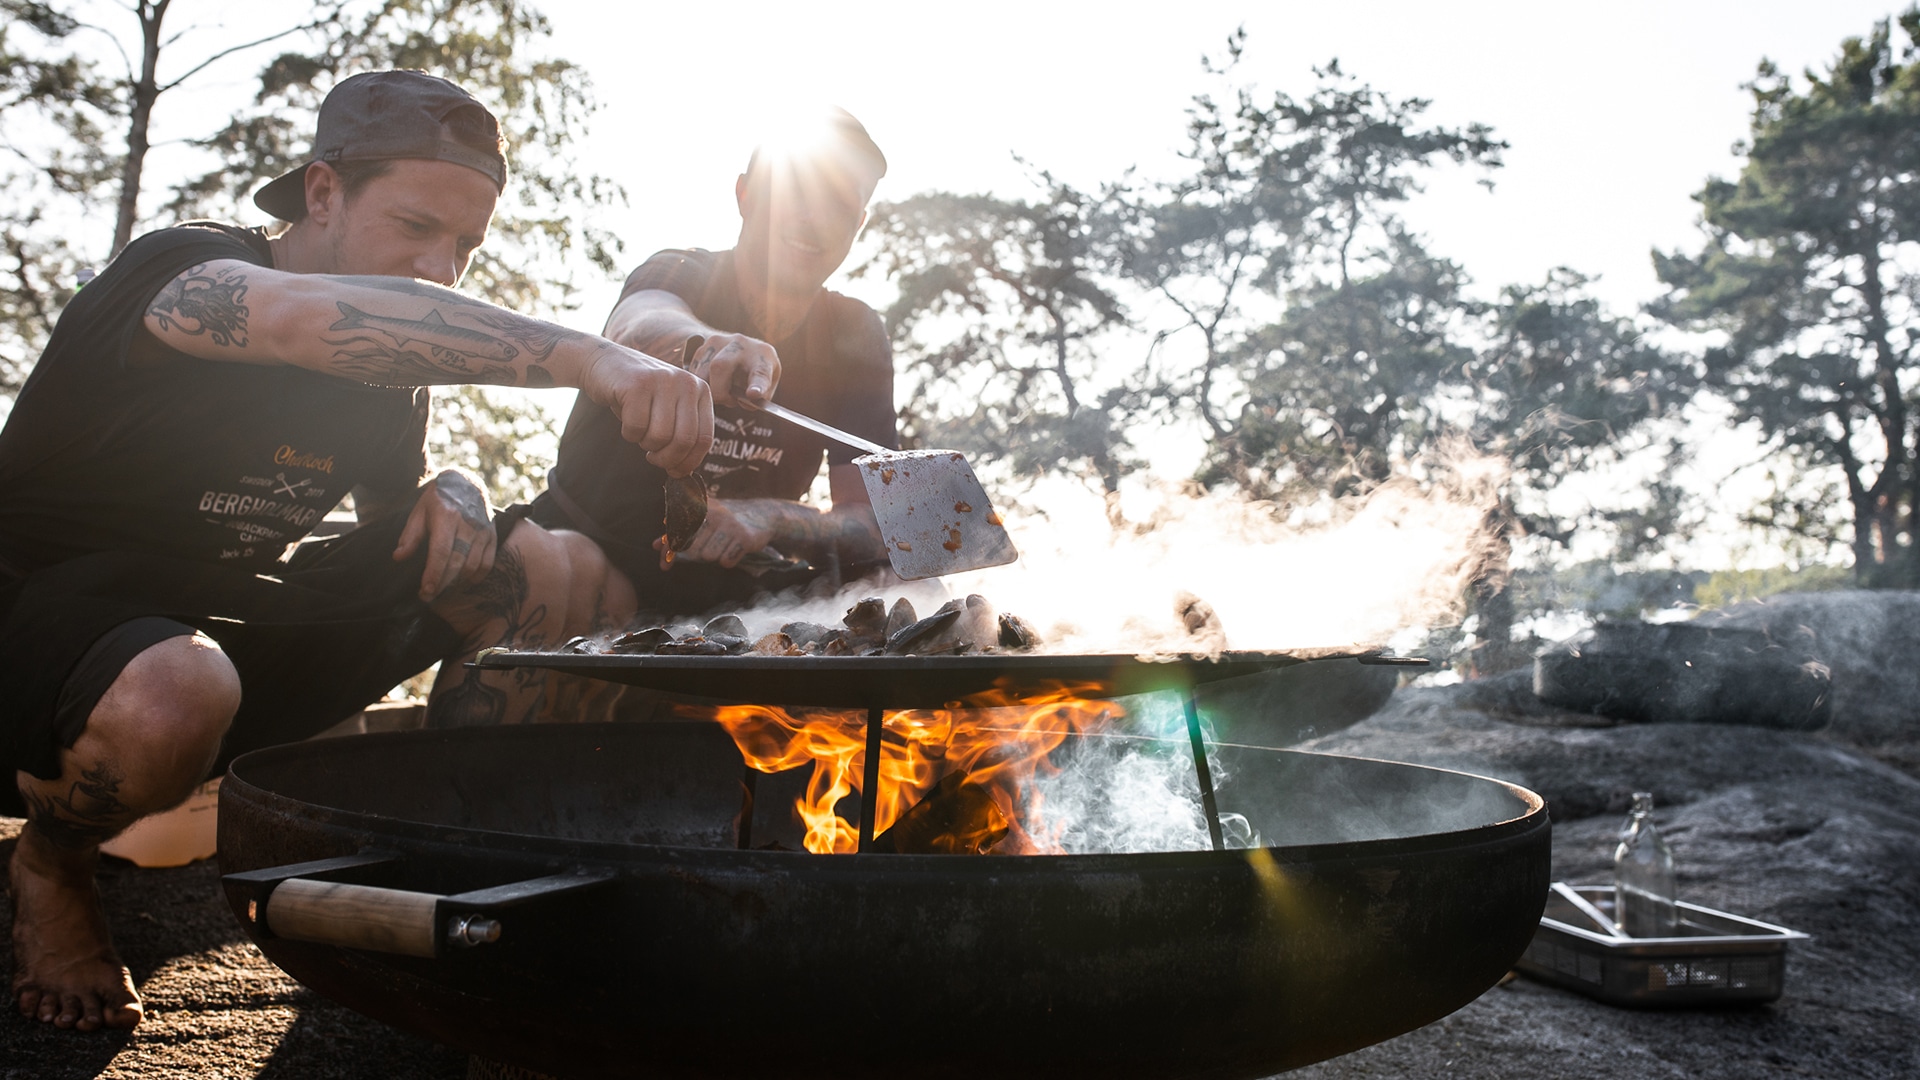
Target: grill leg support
x=870 y=781
x=749 y=786
x=1200 y=768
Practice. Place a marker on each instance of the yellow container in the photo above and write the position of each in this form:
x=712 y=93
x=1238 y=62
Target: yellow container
x=173 y=837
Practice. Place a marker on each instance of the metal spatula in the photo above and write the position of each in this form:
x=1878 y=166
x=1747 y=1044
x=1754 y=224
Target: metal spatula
x=933 y=513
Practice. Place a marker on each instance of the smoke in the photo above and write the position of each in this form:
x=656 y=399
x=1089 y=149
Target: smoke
x=1127 y=794
x=1113 y=575
x=1167 y=569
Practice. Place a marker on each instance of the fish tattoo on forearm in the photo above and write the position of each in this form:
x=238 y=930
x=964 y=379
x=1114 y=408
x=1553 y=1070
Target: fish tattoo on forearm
x=433 y=331
x=514 y=337
x=379 y=348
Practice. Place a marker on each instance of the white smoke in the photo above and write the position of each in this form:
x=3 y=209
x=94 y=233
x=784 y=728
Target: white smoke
x=1120 y=795
x=1103 y=576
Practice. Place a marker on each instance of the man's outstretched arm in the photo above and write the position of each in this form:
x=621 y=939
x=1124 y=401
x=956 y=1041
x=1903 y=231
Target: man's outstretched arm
x=401 y=332
x=738 y=527
x=742 y=370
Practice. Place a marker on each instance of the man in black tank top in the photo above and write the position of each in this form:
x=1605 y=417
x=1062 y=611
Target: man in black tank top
x=802 y=202
x=201 y=405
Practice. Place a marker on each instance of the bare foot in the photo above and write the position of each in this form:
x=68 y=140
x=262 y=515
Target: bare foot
x=65 y=971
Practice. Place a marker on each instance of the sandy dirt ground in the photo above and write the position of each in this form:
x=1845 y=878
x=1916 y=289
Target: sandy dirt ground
x=216 y=1008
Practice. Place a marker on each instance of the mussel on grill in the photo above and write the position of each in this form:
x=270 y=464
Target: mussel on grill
x=869 y=628
x=960 y=626
x=900 y=616
x=647 y=639
x=686 y=512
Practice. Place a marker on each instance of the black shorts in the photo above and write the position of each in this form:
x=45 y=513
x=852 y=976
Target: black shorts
x=313 y=643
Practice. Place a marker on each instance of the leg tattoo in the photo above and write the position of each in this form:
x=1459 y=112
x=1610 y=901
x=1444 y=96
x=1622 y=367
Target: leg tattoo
x=502 y=598
x=470 y=704
x=501 y=601
x=89 y=813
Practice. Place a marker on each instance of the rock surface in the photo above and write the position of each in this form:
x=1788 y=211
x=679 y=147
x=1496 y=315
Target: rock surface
x=1687 y=672
x=1793 y=829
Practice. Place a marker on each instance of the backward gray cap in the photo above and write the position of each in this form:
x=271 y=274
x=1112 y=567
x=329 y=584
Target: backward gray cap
x=384 y=116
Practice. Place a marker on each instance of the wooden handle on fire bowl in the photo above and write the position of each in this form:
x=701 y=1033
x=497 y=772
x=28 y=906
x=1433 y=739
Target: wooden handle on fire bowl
x=353 y=916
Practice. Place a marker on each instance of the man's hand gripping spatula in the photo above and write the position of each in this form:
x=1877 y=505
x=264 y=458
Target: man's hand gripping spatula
x=933 y=514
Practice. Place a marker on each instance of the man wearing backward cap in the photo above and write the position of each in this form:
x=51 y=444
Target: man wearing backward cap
x=201 y=405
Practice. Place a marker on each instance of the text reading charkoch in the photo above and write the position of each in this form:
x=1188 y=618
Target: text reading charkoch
x=300 y=459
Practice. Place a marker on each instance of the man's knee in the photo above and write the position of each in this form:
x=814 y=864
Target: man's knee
x=151 y=738
x=173 y=701
x=546 y=586
x=600 y=595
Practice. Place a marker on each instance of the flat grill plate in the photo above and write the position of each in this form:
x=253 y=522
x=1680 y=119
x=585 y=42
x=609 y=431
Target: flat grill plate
x=909 y=682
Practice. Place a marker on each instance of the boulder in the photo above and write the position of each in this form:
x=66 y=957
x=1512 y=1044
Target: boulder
x=1687 y=673
x=1868 y=639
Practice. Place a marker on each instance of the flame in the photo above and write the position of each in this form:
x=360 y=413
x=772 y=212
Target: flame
x=996 y=743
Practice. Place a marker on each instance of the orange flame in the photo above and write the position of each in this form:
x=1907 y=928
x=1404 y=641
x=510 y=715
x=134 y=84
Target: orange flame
x=997 y=742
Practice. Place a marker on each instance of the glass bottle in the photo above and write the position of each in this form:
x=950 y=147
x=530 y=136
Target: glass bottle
x=1643 y=885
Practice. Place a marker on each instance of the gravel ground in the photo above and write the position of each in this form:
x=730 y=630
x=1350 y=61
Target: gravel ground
x=216 y=1008
x=1817 y=832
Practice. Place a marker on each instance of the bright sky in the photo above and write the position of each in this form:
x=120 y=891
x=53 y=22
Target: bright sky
x=1616 y=113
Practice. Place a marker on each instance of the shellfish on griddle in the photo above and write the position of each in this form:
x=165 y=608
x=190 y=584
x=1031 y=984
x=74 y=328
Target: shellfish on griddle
x=686 y=512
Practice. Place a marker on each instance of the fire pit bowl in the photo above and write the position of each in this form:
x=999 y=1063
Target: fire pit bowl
x=573 y=899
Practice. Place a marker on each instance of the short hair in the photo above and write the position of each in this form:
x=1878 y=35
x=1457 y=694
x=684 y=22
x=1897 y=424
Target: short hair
x=843 y=131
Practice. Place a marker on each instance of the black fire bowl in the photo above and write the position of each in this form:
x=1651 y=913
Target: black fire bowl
x=635 y=937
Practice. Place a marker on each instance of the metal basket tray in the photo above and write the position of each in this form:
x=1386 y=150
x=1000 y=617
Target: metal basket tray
x=1717 y=959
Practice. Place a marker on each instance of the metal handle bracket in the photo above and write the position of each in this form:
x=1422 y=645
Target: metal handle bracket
x=318 y=902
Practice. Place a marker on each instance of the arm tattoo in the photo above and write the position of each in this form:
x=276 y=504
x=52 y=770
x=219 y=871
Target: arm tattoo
x=537 y=339
x=91 y=811
x=449 y=347
x=857 y=542
x=813 y=533
x=198 y=302
x=504 y=618
x=380 y=363
x=443 y=348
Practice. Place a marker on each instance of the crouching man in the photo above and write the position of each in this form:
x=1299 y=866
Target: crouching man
x=200 y=406
x=763 y=305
